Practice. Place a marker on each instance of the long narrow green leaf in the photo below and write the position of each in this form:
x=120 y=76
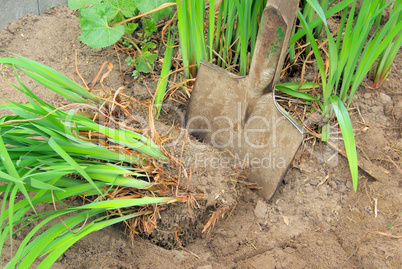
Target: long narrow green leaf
x=73 y=163
x=9 y=165
x=338 y=7
x=345 y=124
x=70 y=239
x=315 y=48
x=211 y=28
x=49 y=74
x=164 y=79
x=297 y=94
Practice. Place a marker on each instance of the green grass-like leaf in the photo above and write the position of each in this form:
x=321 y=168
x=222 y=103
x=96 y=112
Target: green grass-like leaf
x=40 y=146
x=345 y=124
x=164 y=79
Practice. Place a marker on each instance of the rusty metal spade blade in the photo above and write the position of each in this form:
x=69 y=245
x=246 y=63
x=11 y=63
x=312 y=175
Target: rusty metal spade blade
x=239 y=114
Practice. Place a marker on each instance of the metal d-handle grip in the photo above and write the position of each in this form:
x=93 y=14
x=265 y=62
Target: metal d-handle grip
x=272 y=42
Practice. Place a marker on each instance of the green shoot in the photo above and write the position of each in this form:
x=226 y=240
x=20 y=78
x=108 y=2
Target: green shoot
x=382 y=69
x=163 y=81
x=228 y=40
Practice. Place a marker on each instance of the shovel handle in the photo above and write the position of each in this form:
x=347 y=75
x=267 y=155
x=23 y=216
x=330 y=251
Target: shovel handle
x=273 y=38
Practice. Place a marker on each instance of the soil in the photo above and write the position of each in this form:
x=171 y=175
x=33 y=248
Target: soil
x=314 y=220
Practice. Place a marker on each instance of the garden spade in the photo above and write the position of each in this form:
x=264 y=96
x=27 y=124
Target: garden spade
x=239 y=113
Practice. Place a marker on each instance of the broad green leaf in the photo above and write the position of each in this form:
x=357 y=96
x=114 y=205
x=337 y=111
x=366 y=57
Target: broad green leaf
x=96 y=31
x=129 y=60
x=145 y=63
x=151 y=27
x=125 y=7
x=148 y=5
x=148 y=46
x=129 y=28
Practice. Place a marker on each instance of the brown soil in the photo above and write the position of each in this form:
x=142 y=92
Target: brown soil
x=315 y=219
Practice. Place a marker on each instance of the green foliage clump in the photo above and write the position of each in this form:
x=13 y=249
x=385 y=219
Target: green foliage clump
x=47 y=156
x=350 y=57
x=105 y=22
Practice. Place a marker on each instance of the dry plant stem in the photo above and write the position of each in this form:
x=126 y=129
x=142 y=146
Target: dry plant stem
x=119 y=90
x=163 y=32
x=377 y=151
x=364 y=236
x=65 y=225
x=220 y=57
x=154 y=95
x=171 y=73
x=78 y=72
x=220 y=212
x=41 y=118
x=180 y=244
x=147 y=13
x=306 y=61
x=110 y=67
x=123 y=74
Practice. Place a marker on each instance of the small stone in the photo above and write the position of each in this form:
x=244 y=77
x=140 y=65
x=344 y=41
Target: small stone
x=355 y=210
x=349 y=184
x=369 y=210
x=309 y=189
x=314 y=182
x=377 y=109
x=323 y=190
x=298 y=199
x=388 y=107
x=367 y=95
x=320 y=242
x=286 y=220
x=261 y=209
x=337 y=209
x=384 y=98
x=332 y=184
